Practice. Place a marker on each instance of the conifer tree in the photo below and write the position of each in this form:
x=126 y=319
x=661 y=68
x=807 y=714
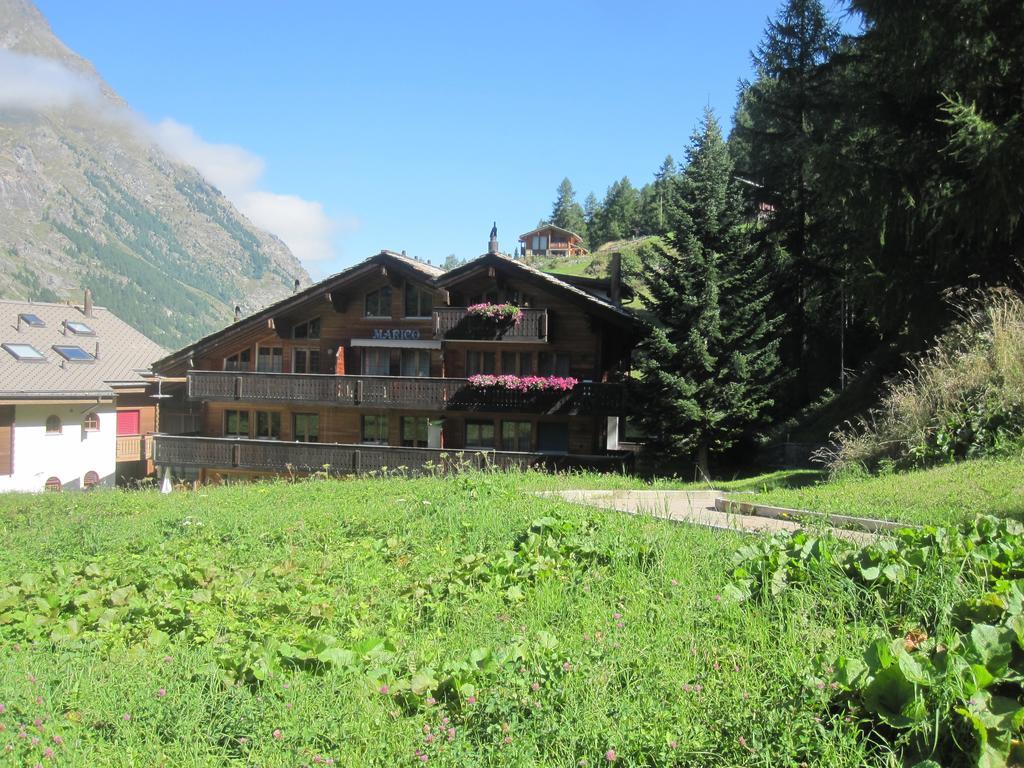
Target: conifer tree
x=566 y=212
x=706 y=368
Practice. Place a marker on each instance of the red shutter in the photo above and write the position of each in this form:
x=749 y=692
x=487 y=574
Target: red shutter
x=128 y=422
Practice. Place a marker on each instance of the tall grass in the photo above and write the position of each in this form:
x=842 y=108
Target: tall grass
x=963 y=399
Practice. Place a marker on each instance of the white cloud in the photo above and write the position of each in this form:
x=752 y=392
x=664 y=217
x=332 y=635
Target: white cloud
x=34 y=83
x=302 y=224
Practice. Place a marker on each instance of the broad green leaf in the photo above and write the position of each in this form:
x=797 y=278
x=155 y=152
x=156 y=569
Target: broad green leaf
x=422 y=682
x=894 y=699
x=337 y=657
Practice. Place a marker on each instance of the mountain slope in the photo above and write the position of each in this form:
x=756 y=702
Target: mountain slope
x=88 y=200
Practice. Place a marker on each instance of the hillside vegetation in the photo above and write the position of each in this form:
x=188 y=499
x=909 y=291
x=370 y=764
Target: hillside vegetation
x=456 y=622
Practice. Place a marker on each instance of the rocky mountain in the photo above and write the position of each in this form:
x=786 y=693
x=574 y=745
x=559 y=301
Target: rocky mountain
x=87 y=199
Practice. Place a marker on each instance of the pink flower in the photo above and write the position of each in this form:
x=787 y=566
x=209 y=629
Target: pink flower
x=58 y=740
x=566 y=666
x=743 y=742
x=746 y=695
x=48 y=753
x=161 y=692
x=508 y=739
x=471 y=699
x=616 y=615
x=718 y=598
x=610 y=756
x=37 y=723
x=167 y=659
x=384 y=690
x=3 y=708
x=426 y=728
x=30 y=677
x=619 y=624
x=431 y=701
x=429 y=738
x=535 y=687
x=716 y=666
x=423 y=758
x=277 y=734
x=673 y=744
x=698 y=688
x=126 y=717
x=674 y=582
x=285 y=685
x=451 y=734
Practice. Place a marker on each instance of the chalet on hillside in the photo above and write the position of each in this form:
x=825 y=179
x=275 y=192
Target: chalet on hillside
x=550 y=240
x=76 y=404
x=392 y=363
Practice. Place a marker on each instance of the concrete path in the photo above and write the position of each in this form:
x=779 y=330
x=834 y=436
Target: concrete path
x=696 y=507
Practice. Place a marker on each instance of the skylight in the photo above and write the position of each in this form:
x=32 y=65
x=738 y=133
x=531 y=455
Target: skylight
x=31 y=320
x=79 y=329
x=73 y=354
x=25 y=353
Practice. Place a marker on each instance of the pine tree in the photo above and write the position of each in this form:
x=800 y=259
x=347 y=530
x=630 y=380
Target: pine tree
x=620 y=213
x=566 y=212
x=706 y=368
x=591 y=215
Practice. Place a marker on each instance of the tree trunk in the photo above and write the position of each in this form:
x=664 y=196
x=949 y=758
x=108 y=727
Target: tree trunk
x=702 y=463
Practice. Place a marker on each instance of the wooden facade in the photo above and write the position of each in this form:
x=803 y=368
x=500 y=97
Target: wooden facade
x=380 y=357
x=552 y=241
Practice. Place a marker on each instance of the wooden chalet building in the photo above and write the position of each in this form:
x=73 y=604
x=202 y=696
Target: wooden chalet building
x=370 y=369
x=550 y=240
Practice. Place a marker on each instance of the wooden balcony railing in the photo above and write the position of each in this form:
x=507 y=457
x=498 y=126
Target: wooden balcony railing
x=399 y=393
x=134 y=447
x=339 y=459
x=455 y=323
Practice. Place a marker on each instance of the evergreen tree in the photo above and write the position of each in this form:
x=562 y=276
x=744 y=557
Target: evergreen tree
x=591 y=215
x=566 y=212
x=707 y=366
x=619 y=217
x=782 y=123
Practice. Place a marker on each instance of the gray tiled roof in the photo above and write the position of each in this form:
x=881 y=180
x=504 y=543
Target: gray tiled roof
x=123 y=352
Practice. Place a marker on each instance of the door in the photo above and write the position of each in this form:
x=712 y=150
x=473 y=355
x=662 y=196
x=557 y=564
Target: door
x=128 y=422
x=552 y=437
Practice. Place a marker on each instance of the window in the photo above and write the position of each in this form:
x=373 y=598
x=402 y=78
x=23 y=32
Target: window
x=238 y=361
x=307 y=330
x=378 y=303
x=415 y=362
x=129 y=422
x=91 y=422
x=31 y=320
x=376 y=361
x=305 y=361
x=268 y=425
x=480 y=362
x=540 y=243
x=73 y=354
x=91 y=480
x=236 y=423
x=517 y=363
x=479 y=434
x=516 y=436
x=414 y=431
x=269 y=359
x=53 y=425
x=306 y=427
x=552 y=363
x=25 y=353
x=375 y=429
x=79 y=329
x=419 y=302
x=553 y=437
x=53 y=484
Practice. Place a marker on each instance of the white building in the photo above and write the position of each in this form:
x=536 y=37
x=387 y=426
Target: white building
x=75 y=406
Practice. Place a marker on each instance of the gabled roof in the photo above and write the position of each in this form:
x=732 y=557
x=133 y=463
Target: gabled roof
x=425 y=272
x=124 y=353
x=551 y=226
x=535 y=275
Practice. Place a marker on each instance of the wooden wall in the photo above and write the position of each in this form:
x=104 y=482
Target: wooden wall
x=6 y=439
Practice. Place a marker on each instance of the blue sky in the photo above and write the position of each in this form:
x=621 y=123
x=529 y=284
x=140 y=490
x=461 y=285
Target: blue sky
x=415 y=125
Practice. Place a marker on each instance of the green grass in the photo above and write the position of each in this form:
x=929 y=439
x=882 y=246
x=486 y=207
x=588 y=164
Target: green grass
x=143 y=629
x=953 y=493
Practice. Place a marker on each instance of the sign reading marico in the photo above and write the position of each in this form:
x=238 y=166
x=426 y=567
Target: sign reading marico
x=396 y=334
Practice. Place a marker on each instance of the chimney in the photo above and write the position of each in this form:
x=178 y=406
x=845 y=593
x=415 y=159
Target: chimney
x=295 y=288
x=238 y=313
x=492 y=245
x=615 y=279
x=87 y=311
x=403 y=251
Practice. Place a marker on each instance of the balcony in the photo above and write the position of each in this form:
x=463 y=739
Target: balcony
x=338 y=459
x=399 y=393
x=456 y=324
x=134 y=447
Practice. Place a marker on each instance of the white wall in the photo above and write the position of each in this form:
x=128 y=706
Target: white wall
x=69 y=455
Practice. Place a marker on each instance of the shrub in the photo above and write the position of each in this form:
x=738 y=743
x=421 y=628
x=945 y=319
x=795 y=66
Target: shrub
x=963 y=399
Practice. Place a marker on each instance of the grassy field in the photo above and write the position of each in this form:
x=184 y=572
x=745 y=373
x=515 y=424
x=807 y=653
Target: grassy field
x=457 y=622
x=953 y=493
